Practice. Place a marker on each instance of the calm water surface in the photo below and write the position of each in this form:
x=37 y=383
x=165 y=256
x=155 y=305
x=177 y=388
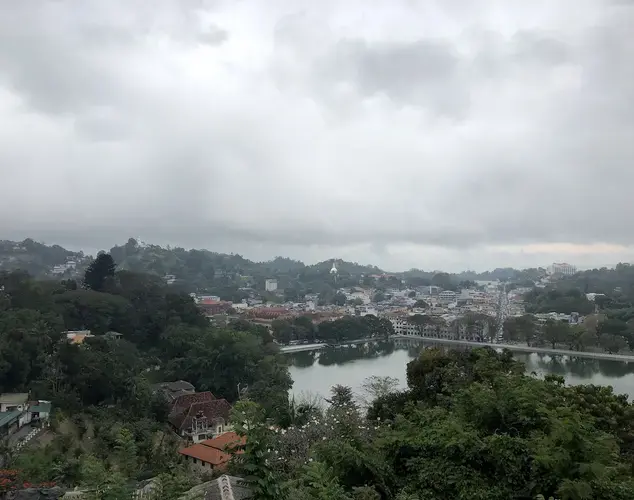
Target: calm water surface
x=315 y=372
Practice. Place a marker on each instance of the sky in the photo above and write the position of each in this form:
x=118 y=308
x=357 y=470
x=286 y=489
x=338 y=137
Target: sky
x=446 y=134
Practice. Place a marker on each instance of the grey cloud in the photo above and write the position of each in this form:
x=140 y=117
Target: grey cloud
x=213 y=35
x=537 y=147
x=425 y=73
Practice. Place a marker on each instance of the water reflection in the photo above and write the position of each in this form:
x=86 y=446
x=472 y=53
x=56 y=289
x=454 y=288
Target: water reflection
x=351 y=364
x=342 y=354
x=582 y=368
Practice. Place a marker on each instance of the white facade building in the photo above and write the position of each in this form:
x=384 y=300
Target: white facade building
x=270 y=285
x=562 y=268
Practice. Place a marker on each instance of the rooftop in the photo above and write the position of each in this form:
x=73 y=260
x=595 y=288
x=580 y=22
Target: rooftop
x=14 y=398
x=212 y=451
x=6 y=417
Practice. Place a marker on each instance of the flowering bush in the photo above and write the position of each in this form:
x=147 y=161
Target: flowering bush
x=9 y=480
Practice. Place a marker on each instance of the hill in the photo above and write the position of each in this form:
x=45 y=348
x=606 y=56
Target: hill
x=194 y=269
x=38 y=259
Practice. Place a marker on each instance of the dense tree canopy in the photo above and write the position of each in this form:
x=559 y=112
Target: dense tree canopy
x=545 y=301
x=110 y=426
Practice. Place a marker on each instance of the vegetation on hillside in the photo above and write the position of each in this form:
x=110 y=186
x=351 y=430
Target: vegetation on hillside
x=109 y=427
x=469 y=426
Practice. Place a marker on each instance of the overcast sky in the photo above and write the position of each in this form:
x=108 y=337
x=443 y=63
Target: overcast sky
x=446 y=134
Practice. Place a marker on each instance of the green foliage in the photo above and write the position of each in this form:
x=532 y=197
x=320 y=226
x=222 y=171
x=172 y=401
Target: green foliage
x=545 y=301
x=99 y=272
x=470 y=425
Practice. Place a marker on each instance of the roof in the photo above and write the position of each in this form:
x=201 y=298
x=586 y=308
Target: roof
x=184 y=401
x=42 y=407
x=225 y=441
x=173 y=390
x=14 y=398
x=177 y=385
x=78 y=338
x=213 y=451
x=228 y=488
x=7 y=417
x=206 y=454
x=217 y=409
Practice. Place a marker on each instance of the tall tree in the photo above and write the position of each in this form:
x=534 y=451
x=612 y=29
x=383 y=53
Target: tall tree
x=97 y=274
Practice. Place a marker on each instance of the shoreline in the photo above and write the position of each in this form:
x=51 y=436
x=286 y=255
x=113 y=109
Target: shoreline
x=510 y=347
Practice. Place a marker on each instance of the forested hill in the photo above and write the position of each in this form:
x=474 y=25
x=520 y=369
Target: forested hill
x=199 y=268
x=36 y=258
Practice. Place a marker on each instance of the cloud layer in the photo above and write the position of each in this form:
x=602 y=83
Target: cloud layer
x=428 y=134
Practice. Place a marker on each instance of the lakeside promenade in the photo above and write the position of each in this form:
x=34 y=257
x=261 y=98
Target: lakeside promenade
x=511 y=347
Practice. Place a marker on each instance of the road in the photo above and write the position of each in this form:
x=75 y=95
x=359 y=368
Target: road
x=512 y=347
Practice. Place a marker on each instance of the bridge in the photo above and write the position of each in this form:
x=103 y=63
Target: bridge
x=511 y=347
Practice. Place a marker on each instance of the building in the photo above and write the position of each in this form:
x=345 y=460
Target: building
x=223 y=488
x=270 y=285
x=562 y=268
x=212 y=307
x=78 y=336
x=213 y=453
x=199 y=416
x=172 y=390
x=447 y=296
x=16 y=411
x=14 y=402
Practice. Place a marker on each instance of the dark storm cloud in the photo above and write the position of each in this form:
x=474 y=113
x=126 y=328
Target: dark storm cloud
x=218 y=124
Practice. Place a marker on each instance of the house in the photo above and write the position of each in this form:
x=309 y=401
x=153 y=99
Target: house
x=172 y=390
x=199 y=416
x=9 y=423
x=77 y=336
x=40 y=411
x=213 y=453
x=14 y=401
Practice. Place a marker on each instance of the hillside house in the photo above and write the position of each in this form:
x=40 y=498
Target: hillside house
x=213 y=453
x=199 y=416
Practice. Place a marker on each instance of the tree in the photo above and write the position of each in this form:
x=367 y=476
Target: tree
x=339 y=299
x=97 y=274
x=341 y=396
x=555 y=332
x=378 y=297
x=612 y=343
x=376 y=387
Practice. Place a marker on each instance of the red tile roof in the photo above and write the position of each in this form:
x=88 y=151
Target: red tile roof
x=214 y=451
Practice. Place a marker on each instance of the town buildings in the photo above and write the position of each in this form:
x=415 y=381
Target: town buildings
x=270 y=285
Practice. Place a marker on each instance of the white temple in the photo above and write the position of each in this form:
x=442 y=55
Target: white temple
x=334 y=268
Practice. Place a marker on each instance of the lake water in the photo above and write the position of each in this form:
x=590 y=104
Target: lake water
x=315 y=372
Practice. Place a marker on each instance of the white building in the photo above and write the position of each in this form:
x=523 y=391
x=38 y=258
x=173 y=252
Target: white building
x=447 y=296
x=562 y=268
x=270 y=285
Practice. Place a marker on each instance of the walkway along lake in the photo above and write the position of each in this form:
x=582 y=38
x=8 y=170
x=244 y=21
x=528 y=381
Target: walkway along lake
x=316 y=371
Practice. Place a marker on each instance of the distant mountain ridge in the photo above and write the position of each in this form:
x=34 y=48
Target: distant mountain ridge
x=202 y=267
x=38 y=259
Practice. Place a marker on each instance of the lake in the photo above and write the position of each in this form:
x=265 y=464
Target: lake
x=315 y=372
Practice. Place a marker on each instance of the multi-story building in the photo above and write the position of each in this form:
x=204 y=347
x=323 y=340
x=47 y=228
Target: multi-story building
x=447 y=296
x=270 y=285
x=562 y=268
